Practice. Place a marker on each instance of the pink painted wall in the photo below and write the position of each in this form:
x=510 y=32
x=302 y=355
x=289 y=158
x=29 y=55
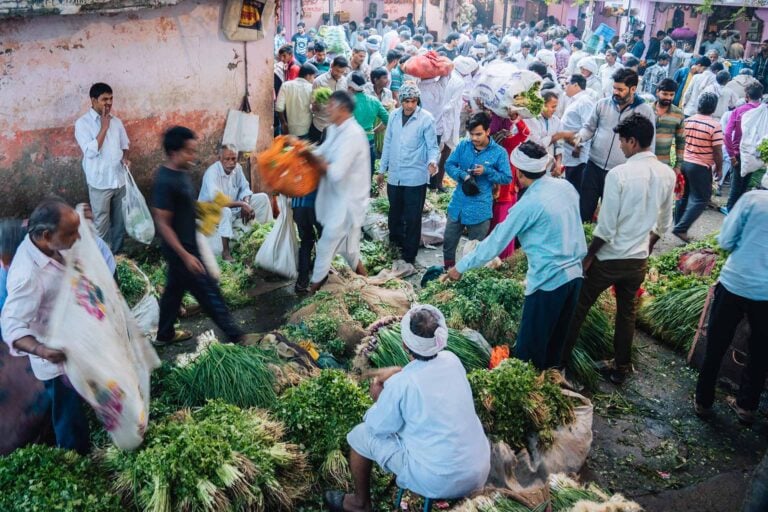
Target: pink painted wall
x=167 y=66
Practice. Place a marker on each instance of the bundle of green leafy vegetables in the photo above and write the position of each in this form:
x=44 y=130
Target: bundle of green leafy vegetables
x=762 y=148
x=321 y=95
x=245 y=249
x=318 y=414
x=43 y=478
x=386 y=349
x=377 y=255
x=514 y=401
x=380 y=205
x=215 y=458
x=236 y=374
x=133 y=285
x=483 y=300
x=531 y=100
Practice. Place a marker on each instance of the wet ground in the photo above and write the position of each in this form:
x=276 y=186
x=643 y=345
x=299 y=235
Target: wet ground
x=648 y=444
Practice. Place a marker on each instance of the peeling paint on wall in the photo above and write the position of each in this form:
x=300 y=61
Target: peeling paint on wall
x=166 y=66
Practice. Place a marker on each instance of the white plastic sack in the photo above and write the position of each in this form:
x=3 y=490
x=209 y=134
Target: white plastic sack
x=207 y=257
x=109 y=360
x=146 y=312
x=279 y=252
x=242 y=130
x=375 y=226
x=138 y=220
x=755 y=128
x=497 y=85
x=433 y=228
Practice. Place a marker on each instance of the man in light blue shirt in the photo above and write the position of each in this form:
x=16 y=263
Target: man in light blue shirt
x=742 y=290
x=546 y=222
x=423 y=426
x=409 y=158
x=477 y=164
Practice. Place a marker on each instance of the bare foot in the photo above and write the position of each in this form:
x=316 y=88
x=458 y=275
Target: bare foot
x=353 y=504
x=360 y=270
x=227 y=256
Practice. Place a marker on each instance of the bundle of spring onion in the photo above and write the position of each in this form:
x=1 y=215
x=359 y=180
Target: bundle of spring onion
x=215 y=458
x=235 y=374
x=674 y=315
x=388 y=349
x=318 y=414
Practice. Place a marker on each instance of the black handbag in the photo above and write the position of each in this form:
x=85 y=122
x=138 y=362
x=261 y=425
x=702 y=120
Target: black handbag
x=469 y=187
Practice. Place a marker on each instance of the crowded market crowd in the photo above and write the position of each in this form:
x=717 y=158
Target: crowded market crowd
x=630 y=138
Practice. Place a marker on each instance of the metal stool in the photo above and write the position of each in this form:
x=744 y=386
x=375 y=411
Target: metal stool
x=399 y=499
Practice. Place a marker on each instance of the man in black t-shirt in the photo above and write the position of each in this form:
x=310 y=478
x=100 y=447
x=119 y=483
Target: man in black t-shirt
x=173 y=207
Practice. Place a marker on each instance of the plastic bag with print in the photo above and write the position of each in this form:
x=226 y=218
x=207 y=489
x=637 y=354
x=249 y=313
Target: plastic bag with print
x=109 y=360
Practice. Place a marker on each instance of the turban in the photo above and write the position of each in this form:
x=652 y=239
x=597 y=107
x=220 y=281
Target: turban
x=425 y=347
x=546 y=56
x=481 y=39
x=464 y=65
x=408 y=91
x=588 y=63
x=373 y=43
x=528 y=164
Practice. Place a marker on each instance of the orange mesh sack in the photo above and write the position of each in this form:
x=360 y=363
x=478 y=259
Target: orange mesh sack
x=429 y=65
x=285 y=168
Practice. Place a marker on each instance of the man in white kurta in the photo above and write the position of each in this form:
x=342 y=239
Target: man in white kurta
x=423 y=426
x=245 y=207
x=343 y=192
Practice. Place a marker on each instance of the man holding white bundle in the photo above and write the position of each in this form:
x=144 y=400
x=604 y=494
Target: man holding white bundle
x=245 y=207
x=546 y=222
x=342 y=195
x=423 y=426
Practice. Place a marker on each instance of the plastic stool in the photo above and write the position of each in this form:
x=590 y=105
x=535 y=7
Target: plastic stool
x=399 y=499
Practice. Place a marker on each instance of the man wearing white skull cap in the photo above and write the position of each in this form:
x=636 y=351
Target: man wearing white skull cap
x=546 y=222
x=423 y=426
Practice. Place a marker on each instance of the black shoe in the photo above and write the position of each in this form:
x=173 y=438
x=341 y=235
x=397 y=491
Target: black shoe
x=614 y=375
x=301 y=287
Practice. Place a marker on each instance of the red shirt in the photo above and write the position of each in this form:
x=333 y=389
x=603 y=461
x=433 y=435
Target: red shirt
x=509 y=192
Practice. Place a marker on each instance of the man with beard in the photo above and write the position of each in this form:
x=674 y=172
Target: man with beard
x=605 y=153
x=669 y=125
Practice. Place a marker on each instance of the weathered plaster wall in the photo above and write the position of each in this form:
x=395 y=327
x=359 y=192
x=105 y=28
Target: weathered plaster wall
x=166 y=66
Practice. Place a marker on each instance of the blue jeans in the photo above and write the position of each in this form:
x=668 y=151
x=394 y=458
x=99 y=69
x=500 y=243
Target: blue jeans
x=69 y=421
x=544 y=326
x=698 y=191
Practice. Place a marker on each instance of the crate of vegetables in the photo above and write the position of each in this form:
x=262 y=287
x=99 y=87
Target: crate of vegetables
x=289 y=167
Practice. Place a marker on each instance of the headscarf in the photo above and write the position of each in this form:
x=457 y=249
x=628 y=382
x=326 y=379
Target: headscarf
x=425 y=347
x=408 y=91
x=588 y=63
x=481 y=39
x=373 y=43
x=464 y=65
x=531 y=165
x=547 y=57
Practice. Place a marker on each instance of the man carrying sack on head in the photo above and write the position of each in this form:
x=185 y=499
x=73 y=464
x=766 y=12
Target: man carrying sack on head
x=423 y=426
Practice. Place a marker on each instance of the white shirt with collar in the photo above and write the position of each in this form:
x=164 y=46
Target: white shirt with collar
x=542 y=131
x=606 y=76
x=234 y=185
x=576 y=115
x=102 y=166
x=295 y=99
x=34 y=280
x=637 y=199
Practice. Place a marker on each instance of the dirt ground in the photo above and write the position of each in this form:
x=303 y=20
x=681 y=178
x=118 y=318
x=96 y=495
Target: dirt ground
x=648 y=444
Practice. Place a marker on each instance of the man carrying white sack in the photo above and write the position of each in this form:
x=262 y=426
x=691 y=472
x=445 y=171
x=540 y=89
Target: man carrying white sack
x=423 y=426
x=226 y=176
x=546 y=222
x=342 y=195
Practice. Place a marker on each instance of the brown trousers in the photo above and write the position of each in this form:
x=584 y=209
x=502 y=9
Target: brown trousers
x=626 y=276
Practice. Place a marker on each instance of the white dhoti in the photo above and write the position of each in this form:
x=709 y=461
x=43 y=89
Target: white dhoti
x=344 y=241
x=231 y=225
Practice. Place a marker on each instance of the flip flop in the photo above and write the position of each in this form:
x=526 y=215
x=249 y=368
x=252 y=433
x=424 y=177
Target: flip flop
x=334 y=500
x=178 y=337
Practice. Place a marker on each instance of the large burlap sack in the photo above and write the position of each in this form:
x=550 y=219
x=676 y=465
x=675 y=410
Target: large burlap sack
x=109 y=360
x=382 y=301
x=433 y=228
x=497 y=85
x=527 y=470
x=376 y=226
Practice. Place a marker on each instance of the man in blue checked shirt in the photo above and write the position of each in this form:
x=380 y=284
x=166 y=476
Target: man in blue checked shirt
x=477 y=164
x=546 y=222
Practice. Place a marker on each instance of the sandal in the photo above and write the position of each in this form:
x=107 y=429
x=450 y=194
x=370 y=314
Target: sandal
x=178 y=337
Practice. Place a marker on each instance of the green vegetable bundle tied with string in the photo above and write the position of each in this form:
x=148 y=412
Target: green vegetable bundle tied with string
x=321 y=95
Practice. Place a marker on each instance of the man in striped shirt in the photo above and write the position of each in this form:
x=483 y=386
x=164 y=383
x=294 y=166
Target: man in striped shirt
x=703 y=152
x=669 y=125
